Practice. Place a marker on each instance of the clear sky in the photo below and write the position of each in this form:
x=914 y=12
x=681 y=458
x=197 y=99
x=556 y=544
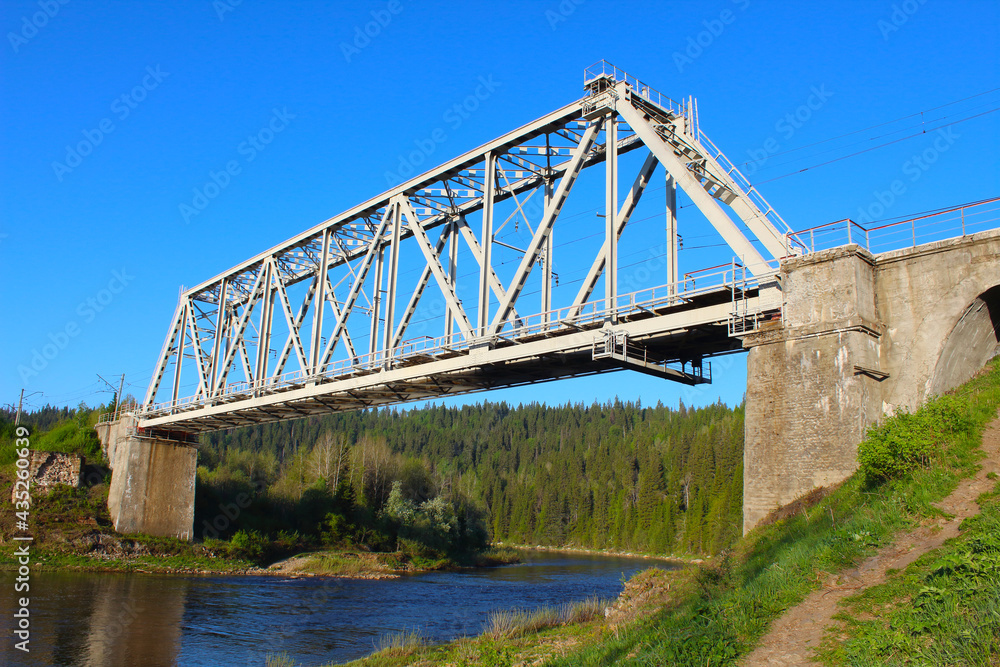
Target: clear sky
x=94 y=243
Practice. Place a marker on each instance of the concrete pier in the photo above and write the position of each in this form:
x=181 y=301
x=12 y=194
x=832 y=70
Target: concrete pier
x=861 y=336
x=152 y=481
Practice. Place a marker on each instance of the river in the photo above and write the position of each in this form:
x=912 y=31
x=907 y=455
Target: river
x=133 y=619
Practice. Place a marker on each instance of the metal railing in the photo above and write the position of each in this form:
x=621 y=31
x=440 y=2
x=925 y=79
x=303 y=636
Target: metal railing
x=950 y=223
x=614 y=345
x=121 y=410
x=606 y=69
x=559 y=321
x=744 y=184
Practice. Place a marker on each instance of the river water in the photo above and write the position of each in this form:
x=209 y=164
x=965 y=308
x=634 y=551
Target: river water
x=132 y=619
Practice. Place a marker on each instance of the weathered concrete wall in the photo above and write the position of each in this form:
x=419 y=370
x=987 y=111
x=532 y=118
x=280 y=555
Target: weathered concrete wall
x=152 y=483
x=111 y=433
x=928 y=317
x=806 y=407
x=927 y=297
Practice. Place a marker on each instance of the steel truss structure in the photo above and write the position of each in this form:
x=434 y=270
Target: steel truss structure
x=276 y=337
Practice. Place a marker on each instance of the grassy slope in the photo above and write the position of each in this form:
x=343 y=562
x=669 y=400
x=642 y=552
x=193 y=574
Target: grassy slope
x=942 y=610
x=720 y=610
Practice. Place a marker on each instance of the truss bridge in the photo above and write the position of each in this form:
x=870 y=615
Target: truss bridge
x=326 y=320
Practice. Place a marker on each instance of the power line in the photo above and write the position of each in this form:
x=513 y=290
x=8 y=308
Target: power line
x=883 y=124
x=888 y=143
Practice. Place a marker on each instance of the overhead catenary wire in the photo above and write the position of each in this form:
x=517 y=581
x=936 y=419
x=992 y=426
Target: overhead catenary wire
x=878 y=125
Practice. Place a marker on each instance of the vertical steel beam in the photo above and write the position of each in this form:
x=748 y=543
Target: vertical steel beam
x=611 y=216
x=489 y=182
x=180 y=352
x=220 y=325
x=449 y=323
x=376 y=300
x=390 y=302
x=264 y=330
x=320 y=299
x=547 y=263
x=672 y=272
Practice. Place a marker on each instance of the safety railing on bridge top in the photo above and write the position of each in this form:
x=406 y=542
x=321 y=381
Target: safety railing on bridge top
x=604 y=68
x=732 y=278
x=938 y=226
x=121 y=410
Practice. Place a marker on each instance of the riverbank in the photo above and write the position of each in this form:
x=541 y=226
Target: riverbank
x=531 y=637
x=72 y=531
x=670 y=558
x=104 y=552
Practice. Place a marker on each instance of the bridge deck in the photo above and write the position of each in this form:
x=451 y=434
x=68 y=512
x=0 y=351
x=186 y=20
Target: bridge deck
x=679 y=329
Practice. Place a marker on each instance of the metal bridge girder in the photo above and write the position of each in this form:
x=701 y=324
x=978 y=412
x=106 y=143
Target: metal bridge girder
x=434 y=264
x=544 y=227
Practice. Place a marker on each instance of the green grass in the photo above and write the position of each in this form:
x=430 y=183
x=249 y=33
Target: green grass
x=504 y=624
x=399 y=644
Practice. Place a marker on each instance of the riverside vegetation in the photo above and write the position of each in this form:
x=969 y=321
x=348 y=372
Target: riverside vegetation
x=382 y=491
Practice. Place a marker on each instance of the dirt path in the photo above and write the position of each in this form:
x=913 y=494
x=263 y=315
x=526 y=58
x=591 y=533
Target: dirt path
x=794 y=636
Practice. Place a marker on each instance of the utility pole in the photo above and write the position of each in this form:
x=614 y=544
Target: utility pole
x=20 y=401
x=118 y=396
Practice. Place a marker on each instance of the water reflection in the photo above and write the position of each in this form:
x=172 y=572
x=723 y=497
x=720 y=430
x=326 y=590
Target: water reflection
x=101 y=620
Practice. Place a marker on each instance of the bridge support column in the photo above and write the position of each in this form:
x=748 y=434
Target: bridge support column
x=812 y=381
x=152 y=482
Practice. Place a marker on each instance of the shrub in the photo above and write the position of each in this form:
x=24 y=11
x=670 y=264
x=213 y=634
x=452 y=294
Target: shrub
x=250 y=545
x=905 y=441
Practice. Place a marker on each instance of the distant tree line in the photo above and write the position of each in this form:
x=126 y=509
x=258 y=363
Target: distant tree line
x=617 y=475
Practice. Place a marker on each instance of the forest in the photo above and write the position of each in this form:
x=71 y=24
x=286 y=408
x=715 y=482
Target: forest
x=617 y=475
x=443 y=481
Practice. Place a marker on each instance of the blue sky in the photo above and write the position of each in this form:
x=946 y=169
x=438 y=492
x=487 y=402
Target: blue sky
x=94 y=248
